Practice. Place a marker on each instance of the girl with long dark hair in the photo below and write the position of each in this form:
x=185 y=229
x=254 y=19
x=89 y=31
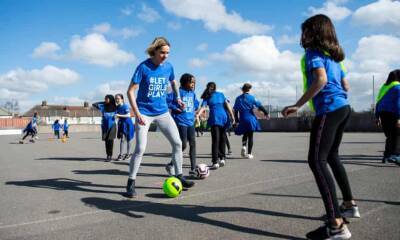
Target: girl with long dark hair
x=326 y=87
x=108 y=110
x=218 y=120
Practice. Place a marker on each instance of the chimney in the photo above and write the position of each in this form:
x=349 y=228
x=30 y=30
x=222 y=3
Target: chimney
x=86 y=104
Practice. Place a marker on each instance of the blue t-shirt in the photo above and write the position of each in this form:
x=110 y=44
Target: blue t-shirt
x=56 y=126
x=186 y=117
x=125 y=125
x=108 y=118
x=245 y=104
x=332 y=96
x=218 y=115
x=153 y=83
x=65 y=126
x=390 y=102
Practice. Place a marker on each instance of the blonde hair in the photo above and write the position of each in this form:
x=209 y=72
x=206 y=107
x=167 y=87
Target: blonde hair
x=157 y=43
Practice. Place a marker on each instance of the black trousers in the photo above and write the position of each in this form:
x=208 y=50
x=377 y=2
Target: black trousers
x=228 y=144
x=57 y=133
x=392 y=133
x=109 y=146
x=218 y=143
x=326 y=136
x=247 y=139
x=188 y=134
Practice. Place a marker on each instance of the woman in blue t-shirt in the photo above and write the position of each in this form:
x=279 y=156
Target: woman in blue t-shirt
x=246 y=119
x=218 y=120
x=152 y=78
x=125 y=128
x=108 y=110
x=388 y=115
x=326 y=87
x=185 y=118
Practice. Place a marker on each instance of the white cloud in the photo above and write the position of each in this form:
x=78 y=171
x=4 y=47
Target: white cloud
x=214 y=16
x=127 y=11
x=102 y=90
x=331 y=9
x=202 y=47
x=20 y=83
x=148 y=14
x=286 y=39
x=95 y=49
x=370 y=60
x=102 y=28
x=107 y=29
x=257 y=60
x=383 y=13
x=71 y=101
x=197 y=63
x=46 y=50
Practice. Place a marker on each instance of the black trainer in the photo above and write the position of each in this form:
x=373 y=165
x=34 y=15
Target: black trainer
x=326 y=232
x=185 y=183
x=130 y=189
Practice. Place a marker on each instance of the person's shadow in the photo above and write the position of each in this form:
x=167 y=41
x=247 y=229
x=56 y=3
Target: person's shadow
x=63 y=184
x=192 y=213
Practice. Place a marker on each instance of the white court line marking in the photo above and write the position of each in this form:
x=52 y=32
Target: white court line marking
x=145 y=204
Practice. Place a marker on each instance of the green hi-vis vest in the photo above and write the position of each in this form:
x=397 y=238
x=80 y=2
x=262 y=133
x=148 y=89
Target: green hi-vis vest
x=384 y=89
x=304 y=71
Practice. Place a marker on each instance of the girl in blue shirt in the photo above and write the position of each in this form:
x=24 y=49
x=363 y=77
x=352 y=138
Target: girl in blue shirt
x=246 y=119
x=388 y=114
x=152 y=78
x=185 y=118
x=326 y=87
x=126 y=129
x=56 y=128
x=218 y=120
x=108 y=110
x=65 y=127
x=30 y=129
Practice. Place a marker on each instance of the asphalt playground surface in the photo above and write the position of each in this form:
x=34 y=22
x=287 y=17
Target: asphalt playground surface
x=54 y=190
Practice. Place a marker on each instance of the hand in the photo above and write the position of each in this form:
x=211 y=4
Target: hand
x=177 y=110
x=378 y=122
x=140 y=120
x=289 y=110
x=180 y=103
x=267 y=117
x=398 y=123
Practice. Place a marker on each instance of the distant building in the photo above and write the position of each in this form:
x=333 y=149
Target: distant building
x=4 y=113
x=85 y=114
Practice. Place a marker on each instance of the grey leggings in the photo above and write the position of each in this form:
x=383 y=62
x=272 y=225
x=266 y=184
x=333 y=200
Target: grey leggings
x=125 y=144
x=167 y=126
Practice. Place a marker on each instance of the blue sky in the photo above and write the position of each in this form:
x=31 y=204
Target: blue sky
x=67 y=52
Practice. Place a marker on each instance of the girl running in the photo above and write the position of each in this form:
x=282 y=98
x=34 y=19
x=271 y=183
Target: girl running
x=326 y=87
x=247 y=121
x=126 y=129
x=30 y=130
x=388 y=115
x=108 y=110
x=218 y=120
x=185 y=118
x=152 y=78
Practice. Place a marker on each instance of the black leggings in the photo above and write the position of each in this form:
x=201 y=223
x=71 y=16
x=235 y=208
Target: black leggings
x=188 y=133
x=218 y=143
x=392 y=133
x=247 y=139
x=109 y=147
x=326 y=135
